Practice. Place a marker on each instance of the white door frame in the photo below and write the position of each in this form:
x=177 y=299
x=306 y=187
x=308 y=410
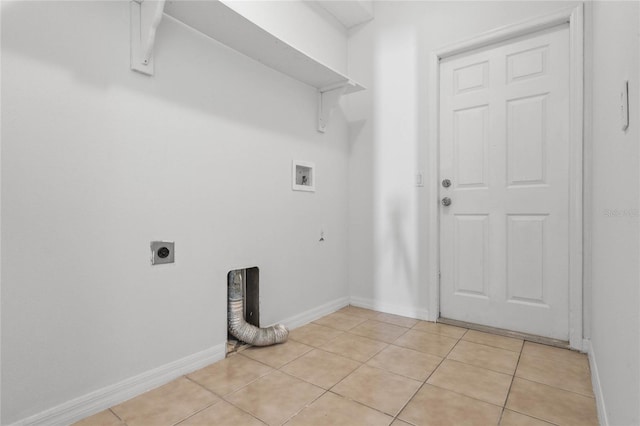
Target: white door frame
x=574 y=16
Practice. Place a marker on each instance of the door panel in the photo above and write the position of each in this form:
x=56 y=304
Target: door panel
x=504 y=143
x=526 y=140
x=471 y=254
x=471 y=140
x=525 y=258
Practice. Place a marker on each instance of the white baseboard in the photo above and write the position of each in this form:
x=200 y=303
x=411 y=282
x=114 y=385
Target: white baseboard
x=405 y=311
x=315 y=313
x=595 y=382
x=101 y=399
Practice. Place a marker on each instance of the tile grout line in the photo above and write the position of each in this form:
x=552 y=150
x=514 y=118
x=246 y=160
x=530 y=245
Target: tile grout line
x=556 y=388
x=492 y=346
x=330 y=390
x=484 y=368
x=361 y=403
x=204 y=408
x=396 y=417
x=116 y=414
x=288 y=419
x=222 y=397
x=242 y=409
x=533 y=417
x=197 y=412
x=513 y=377
x=325 y=390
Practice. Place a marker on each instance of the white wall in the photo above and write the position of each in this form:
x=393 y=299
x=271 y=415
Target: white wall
x=98 y=160
x=388 y=245
x=615 y=327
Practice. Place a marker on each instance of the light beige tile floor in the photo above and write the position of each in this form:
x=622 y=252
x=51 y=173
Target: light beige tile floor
x=361 y=367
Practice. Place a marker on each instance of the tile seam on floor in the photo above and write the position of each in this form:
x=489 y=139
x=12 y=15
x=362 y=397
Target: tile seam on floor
x=382 y=322
x=391 y=372
x=535 y=417
x=439 y=334
x=532 y=416
x=362 y=404
x=485 y=368
x=408 y=401
x=533 y=355
x=204 y=408
x=377 y=340
x=466 y=396
x=510 y=385
x=202 y=386
x=288 y=418
x=425 y=382
x=197 y=412
x=241 y=387
x=115 y=414
x=318 y=386
x=493 y=346
x=397 y=374
x=377 y=352
x=243 y=410
x=481 y=368
x=286 y=363
x=313 y=384
x=305 y=406
x=296 y=358
x=193 y=414
x=555 y=387
x=440 y=387
x=490 y=346
x=388 y=322
x=323 y=343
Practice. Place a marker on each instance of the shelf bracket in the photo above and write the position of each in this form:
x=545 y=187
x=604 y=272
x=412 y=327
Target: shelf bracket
x=145 y=18
x=328 y=99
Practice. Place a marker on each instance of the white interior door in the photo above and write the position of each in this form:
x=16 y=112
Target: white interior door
x=504 y=145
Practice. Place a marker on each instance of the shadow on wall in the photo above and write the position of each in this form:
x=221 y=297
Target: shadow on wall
x=397 y=245
x=90 y=41
x=397 y=136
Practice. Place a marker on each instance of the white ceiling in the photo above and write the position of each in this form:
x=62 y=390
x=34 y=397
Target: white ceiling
x=349 y=12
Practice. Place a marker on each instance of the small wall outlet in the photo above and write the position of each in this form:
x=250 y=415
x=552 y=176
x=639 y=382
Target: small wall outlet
x=162 y=252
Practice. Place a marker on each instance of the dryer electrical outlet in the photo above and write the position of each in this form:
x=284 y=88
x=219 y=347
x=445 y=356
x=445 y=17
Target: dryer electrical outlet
x=162 y=252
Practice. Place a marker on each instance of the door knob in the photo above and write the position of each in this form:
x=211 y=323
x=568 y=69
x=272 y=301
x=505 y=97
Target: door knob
x=446 y=183
x=446 y=201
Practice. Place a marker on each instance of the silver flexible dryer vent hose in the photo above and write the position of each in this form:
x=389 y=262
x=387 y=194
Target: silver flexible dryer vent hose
x=241 y=329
